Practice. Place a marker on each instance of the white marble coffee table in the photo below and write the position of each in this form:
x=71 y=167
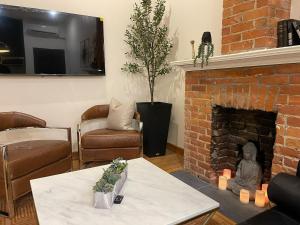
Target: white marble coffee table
x=151 y=196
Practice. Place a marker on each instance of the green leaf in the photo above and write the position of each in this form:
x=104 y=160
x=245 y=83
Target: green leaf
x=148 y=42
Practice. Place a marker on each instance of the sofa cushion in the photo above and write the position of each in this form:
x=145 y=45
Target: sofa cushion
x=106 y=138
x=25 y=157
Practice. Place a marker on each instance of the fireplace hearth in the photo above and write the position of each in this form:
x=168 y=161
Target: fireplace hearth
x=233 y=128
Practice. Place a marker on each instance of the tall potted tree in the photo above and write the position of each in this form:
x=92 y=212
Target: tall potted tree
x=147 y=38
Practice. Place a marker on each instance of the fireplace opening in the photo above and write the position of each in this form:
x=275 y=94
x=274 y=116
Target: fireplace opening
x=233 y=128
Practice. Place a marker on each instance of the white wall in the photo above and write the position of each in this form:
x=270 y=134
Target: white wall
x=295 y=9
x=62 y=100
x=188 y=21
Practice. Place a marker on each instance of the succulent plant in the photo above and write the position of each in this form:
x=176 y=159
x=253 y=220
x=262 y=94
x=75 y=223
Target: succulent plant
x=118 y=165
x=110 y=176
x=103 y=186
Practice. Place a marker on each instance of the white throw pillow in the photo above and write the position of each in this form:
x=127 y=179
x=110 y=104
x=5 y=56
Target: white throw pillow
x=120 y=115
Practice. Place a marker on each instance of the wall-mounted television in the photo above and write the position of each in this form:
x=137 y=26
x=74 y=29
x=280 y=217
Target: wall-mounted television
x=41 y=42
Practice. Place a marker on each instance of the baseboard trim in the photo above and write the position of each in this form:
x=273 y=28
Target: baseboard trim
x=175 y=148
x=75 y=156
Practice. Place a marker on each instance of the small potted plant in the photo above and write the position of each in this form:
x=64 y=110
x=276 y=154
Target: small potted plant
x=105 y=190
x=119 y=166
x=110 y=184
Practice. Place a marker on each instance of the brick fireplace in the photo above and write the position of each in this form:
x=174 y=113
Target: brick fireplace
x=233 y=128
x=226 y=106
x=266 y=88
x=251 y=24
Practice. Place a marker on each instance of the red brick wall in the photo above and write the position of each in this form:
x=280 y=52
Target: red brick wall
x=268 y=88
x=252 y=24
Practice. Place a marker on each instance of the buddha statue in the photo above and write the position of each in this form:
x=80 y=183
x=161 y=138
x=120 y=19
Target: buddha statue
x=249 y=174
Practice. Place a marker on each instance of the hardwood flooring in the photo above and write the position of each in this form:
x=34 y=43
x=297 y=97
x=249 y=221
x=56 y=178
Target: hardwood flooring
x=26 y=215
x=170 y=162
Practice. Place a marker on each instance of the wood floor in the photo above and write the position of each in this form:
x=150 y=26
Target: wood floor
x=26 y=215
x=170 y=162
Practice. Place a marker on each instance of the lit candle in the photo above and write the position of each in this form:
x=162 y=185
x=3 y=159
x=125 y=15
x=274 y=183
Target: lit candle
x=244 y=196
x=264 y=188
x=260 y=198
x=227 y=173
x=222 y=183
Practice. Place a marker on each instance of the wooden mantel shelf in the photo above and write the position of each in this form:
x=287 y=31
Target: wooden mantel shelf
x=263 y=57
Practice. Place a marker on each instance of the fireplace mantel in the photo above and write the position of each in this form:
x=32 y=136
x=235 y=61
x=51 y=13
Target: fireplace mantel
x=262 y=57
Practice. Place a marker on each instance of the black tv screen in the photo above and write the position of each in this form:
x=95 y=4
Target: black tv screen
x=41 y=42
x=42 y=65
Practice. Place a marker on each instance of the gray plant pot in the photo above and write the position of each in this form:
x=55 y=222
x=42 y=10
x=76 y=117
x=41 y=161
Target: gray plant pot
x=103 y=200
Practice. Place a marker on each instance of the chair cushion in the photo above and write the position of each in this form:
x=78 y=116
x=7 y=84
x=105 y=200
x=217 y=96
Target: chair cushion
x=25 y=157
x=105 y=138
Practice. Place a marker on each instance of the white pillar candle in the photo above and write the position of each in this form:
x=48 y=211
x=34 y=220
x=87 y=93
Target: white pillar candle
x=222 y=183
x=260 y=198
x=227 y=173
x=244 y=196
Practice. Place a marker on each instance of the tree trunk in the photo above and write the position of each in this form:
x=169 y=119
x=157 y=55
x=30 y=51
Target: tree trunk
x=151 y=81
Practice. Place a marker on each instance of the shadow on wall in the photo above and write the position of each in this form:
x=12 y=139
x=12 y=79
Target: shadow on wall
x=136 y=87
x=170 y=88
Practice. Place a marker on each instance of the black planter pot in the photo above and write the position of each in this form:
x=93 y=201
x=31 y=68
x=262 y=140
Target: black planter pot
x=156 y=121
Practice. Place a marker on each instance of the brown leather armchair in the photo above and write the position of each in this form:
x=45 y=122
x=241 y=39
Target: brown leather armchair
x=96 y=144
x=29 y=150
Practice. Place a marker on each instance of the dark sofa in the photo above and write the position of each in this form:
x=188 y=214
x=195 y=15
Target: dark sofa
x=284 y=191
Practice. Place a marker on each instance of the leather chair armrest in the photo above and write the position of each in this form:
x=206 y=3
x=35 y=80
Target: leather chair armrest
x=138 y=124
x=6 y=182
x=34 y=133
x=69 y=135
x=137 y=116
x=139 y=128
x=79 y=136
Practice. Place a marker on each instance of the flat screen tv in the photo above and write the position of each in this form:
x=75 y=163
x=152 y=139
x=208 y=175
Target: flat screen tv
x=41 y=42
